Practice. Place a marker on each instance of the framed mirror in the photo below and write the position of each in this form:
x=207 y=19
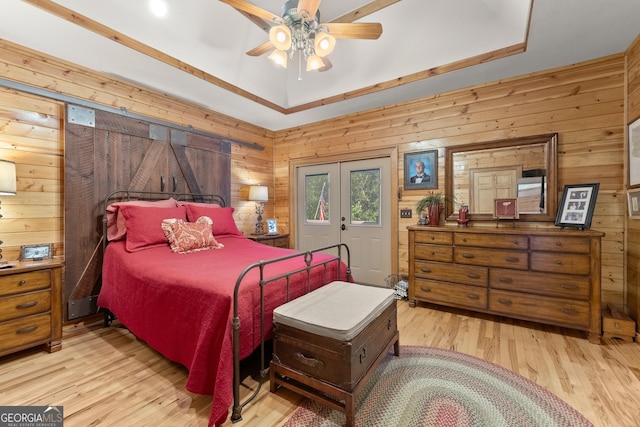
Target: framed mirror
x=522 y=168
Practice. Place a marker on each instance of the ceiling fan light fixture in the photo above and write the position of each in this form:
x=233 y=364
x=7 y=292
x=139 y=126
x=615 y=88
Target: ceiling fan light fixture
x=279 y=57
x=314 y=62
x=324 y=44
x=280 y=36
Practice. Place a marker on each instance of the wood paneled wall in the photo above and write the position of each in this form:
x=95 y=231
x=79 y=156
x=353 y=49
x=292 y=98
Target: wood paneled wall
x=633 y=225
x=32 y=136
x=583 y=103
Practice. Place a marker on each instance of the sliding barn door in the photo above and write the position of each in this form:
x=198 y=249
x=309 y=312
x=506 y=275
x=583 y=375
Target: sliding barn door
x=105 y=152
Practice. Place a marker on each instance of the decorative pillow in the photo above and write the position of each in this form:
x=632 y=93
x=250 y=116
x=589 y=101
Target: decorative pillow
x=144 y=225
x=205 y=205
x=116 y=228
x=187 y=237
x=223 y=222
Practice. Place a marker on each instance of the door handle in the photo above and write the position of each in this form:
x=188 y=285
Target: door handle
x=343 y=227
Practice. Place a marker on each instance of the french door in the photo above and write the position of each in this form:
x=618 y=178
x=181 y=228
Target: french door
x=348 y=202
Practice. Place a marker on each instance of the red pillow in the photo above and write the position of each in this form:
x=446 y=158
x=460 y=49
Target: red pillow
x=223 y=222
x=144 y=225
x=116 y=228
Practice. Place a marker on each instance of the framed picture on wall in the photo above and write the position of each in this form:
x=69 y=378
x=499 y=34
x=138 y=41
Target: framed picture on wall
x=576 y=208
x=421 y=170
x=634 y=153
x=633 y=197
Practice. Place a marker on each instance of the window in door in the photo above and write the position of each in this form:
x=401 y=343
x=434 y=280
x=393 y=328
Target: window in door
x=365 y=197
x=317 y=199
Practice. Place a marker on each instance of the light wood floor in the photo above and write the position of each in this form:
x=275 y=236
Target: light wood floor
x=104 y=376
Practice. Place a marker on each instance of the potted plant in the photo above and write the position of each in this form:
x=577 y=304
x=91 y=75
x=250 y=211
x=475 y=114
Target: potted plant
x=432 y=204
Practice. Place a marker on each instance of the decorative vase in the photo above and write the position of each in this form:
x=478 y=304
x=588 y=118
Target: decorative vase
x=434 y=214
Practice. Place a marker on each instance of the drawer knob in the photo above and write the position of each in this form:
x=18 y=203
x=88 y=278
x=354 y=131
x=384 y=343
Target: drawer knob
x=22 y=282
x=515 y=242
x=27 y=304
x=505 y=301
x=464 y=239
x=469 y=256
x=473 y=296
x=389 y=324
x=309 y=361
x=558 y=243
x=505 y=280
x=473 y=276
x=558 y=262
x=569 y=311
x=425 y=289
x=565 y=286
x=363 y=355
x=27 y=329
x=512 y=259
x=425 y=270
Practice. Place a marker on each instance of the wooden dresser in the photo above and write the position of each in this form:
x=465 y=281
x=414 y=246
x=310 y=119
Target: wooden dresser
x=31 y=306
x=549 y=276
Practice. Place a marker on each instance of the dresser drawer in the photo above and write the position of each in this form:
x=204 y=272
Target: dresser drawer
x=539 y=308
x=491 y=257
x=433 y=253
x=560 y=263
x=560 y=244
x=450 y=294
x=24 y=282
x=558 y=285
x=491 y=241
x=24 y=304
x=434 y=237
x=465 y=274
x=26 y=330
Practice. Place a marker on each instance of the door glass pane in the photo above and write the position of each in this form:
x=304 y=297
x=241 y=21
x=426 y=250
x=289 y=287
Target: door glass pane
x=316 y=190
x=365 y=197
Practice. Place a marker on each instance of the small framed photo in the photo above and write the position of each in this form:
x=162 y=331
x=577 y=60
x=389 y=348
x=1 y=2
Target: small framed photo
x=577 y=206
x=272 y=226
x=634 y=153
x=36 y=252
x=421 y=170
x=506 y=208
x=633 y=197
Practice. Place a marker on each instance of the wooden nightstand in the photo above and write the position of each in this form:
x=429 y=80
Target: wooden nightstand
x=277 y=240
x=31 y=306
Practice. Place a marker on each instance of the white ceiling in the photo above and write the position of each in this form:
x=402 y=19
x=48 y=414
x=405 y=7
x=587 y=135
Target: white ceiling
x=212 y=37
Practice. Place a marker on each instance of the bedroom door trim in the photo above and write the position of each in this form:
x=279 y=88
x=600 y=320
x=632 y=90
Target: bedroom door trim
x=391 y=153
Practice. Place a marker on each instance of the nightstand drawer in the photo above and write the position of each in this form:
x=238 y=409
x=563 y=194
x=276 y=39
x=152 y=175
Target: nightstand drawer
x=24 y=305
x=26 y=330
x=24 y=282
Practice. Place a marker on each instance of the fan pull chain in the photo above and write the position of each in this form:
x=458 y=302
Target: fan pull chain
x=299 y=66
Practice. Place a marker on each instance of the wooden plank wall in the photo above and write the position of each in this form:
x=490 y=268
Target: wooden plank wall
x=32 y=135
x=633 y=225
x=583 y=103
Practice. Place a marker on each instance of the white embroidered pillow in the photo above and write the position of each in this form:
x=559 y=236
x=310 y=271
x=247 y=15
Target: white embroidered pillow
x=187 y=237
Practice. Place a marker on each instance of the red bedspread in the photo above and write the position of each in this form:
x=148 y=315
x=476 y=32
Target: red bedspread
x=182 y=304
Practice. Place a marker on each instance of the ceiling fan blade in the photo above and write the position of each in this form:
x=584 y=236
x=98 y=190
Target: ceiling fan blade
x=244 y=6
x=354 y=30
x=310 y=6
x=326 y=64
x=365 y=10
x=262 y=49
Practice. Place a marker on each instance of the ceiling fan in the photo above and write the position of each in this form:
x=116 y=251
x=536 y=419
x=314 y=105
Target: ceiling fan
x=300 y=30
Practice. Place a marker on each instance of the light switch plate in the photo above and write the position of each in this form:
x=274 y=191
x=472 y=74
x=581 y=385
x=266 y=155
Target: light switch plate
x=405 y=213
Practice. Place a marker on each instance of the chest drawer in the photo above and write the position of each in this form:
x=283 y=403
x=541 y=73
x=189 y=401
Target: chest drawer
x=434 y=237
x=24 y=282
x=24 y=304
x=25 y=330
x=558 y=285
x=465 y=274
x=566 y=263
x=491 y=241
x=433 y=253
x=539 y=308
x=450 y=294
x=491 y=257
x=560 y=244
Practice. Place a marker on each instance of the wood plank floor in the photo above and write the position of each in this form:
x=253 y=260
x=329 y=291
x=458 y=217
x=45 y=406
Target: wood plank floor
x=106 y=377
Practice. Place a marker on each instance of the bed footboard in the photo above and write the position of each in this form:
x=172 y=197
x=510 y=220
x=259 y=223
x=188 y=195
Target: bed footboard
x=341 y=260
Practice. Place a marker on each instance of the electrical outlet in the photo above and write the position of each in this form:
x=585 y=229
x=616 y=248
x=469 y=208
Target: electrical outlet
x=405 y=213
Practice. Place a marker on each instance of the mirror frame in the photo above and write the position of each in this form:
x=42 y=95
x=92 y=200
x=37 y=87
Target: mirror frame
x=551 y=140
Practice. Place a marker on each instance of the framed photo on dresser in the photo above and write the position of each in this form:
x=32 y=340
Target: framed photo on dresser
x=578 y=203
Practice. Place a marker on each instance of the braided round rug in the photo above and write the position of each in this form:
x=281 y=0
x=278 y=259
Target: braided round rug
x=433 y=387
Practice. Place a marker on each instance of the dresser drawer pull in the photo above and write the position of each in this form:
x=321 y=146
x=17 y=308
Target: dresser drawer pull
x=505 y=280
x=505 y=301
x=515 y=242
x=22 y=282
x=464 y=239
x=27 y=329
x=363 y=355
x=473 y=296
x=469 y=256
x=425 y=270
x=558 y=262
x=27 y=304
x=389 y=324
x=558 y=243
x=512 y=259
x=422 y=288
x=473 y=276
x=563 y=286
x=309 y=361
x=569 y=311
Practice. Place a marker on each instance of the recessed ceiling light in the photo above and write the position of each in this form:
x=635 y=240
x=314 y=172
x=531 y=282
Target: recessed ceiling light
x=158 y=7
